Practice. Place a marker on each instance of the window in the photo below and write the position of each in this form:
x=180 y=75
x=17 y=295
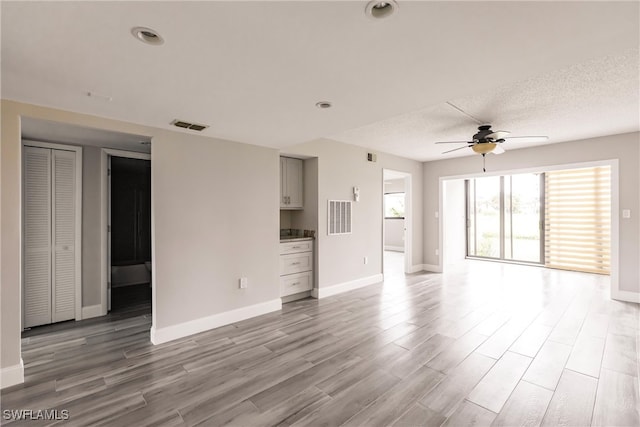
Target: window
x=561 y=219
x=504 y=217
x=394 y=205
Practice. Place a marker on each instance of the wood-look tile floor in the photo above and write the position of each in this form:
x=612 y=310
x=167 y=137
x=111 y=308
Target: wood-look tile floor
x=485 y=344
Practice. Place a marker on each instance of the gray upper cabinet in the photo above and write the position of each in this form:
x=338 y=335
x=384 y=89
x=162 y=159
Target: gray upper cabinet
x=291 y=184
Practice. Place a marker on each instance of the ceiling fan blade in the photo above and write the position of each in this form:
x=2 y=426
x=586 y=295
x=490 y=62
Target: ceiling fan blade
x=453 y=142
x=498 y=150
x=499 y=134
x=536 y=138
x=456 y=149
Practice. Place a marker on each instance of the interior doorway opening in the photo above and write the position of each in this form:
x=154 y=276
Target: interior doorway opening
x=396 y=237
x=129 y=232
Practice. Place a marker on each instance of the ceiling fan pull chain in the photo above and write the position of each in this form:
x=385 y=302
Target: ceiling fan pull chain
x=484 y=158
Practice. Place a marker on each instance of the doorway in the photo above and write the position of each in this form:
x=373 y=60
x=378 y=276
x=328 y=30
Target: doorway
x=51 y=232
x=129 y=233
x=505 y=217
x=396 y=200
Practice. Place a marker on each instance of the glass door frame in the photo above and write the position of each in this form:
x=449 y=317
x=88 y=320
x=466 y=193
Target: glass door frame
x=501 y=258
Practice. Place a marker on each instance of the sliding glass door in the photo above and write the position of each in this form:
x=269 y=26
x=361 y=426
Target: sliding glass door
x=504 y=217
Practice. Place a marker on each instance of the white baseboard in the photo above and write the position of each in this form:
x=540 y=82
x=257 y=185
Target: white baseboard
x=170 y=333
x=12 y=375
x=394 y=248
x=328 y=291
x=625 y=296
x=92 y=311
x=416 y=268
x=432 y=267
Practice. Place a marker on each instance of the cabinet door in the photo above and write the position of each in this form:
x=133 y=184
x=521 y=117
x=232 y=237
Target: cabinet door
x=37 y=236
x=294 y=183
x=64 y=235
x=283 y=182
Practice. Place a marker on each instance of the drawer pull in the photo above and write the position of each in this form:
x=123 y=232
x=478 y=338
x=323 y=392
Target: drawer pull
x=295 y=263
x=295 y=247
x=295 y=284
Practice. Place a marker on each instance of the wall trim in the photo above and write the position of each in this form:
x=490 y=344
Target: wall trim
x=625 y=296
x=394 y=248
x=170 y=333
x=416 y=268
x=104 y=221
x=328 y=291
x=12 y=375
x=92 y=311
x=432 y=268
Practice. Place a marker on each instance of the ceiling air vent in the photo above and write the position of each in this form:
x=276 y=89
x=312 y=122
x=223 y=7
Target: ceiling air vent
x=187 y=125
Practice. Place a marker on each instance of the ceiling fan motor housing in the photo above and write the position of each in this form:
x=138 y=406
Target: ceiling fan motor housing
x=483 y=132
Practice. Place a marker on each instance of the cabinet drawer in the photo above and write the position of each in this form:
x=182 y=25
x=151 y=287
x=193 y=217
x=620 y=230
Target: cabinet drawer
x=296 y=263
x=294 y=283
x=295 y=247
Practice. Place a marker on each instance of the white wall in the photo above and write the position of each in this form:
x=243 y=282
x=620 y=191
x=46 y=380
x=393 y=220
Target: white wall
x=216 y=218
x=340 y=168
x=623 y=147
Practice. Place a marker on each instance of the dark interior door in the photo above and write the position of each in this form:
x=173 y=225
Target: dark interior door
x=130 y=211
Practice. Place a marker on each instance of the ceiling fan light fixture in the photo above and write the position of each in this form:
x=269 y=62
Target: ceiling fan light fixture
x=484 y=148
x=378 y=9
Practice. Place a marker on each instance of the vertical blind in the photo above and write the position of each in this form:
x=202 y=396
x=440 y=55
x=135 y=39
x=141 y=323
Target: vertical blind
x=578 y=219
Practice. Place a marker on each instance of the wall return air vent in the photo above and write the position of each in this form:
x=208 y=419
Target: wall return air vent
x=339 y=216
x=187 y=125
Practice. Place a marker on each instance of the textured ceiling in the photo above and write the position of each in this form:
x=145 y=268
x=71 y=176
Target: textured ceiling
x=594 y=98
x=253 y=71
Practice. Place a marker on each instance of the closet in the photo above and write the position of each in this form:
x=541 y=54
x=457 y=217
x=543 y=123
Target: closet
x=50 y=235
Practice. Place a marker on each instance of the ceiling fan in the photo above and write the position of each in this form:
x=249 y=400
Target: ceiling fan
x=486 y=140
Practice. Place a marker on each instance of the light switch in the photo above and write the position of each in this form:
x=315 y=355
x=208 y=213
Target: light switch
x=626 y=213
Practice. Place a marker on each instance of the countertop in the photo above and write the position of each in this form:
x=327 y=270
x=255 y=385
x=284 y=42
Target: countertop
x=294 y=238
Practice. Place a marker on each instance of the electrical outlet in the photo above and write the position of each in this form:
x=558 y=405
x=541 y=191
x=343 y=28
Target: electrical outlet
x=244 y=282
x=437 y=252
x=366 y=260
x=626 y=213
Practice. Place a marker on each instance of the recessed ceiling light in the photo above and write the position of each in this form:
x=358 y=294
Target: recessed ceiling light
x=323 y=104
x=147 y=35
x=378 y=9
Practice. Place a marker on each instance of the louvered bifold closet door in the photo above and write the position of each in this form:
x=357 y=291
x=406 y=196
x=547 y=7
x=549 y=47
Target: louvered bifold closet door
x=37 y=236
x=578 y=219
x=63 y=221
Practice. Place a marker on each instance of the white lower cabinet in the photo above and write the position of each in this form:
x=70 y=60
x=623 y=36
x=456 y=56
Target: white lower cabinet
x=296 y=267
